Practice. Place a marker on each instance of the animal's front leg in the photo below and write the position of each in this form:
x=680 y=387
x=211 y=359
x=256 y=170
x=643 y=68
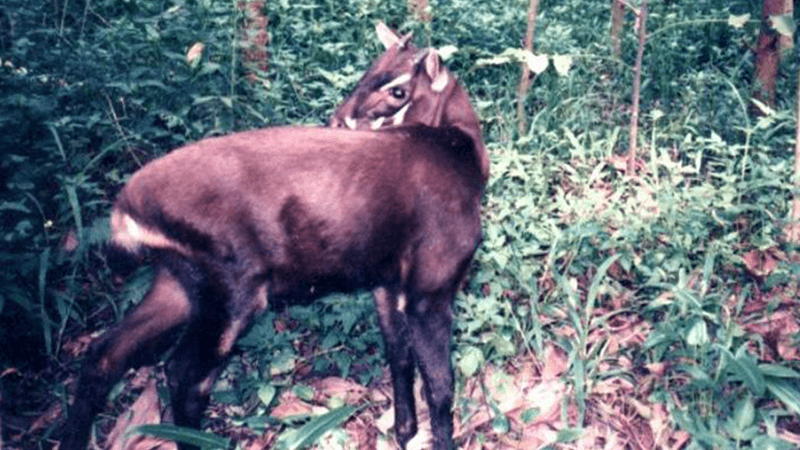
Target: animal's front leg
x=394 y=326
x=430 y=334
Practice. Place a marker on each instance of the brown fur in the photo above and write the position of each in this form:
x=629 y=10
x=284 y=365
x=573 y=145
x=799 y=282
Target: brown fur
x=235 y=221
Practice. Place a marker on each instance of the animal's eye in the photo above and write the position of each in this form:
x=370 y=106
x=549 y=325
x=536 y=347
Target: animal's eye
x=398 y=93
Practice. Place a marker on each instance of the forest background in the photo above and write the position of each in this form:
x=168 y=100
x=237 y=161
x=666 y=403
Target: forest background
x=637 y=286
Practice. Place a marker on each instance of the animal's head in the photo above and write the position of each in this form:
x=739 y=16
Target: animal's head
x=407 y=85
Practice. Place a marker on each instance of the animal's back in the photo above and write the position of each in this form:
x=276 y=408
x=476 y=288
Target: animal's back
x=299 y=203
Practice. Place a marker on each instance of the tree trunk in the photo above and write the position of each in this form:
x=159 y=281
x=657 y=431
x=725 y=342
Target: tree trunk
x=420 y=9
x=524 y=79
x=617 y=14
x=792 y=230
x=767 y=55
x=254 y=37
x=637 y=77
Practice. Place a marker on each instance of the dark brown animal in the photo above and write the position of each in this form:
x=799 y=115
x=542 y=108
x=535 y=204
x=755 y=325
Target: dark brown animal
x=299 y=212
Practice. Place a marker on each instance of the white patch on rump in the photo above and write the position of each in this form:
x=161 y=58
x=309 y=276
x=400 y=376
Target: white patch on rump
x=131 y=235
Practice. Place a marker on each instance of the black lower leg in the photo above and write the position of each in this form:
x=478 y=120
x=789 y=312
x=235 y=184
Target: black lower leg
x=431 y=340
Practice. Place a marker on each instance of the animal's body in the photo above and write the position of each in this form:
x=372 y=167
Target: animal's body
x=292 y=212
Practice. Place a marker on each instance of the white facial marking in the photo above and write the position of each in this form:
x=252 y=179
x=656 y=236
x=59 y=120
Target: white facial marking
x=404 y=78
x=400 y=115
x=377 y=123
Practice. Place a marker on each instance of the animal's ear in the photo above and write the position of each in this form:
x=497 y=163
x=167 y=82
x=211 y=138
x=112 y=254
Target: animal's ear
x=389 y=38
x=439 y=76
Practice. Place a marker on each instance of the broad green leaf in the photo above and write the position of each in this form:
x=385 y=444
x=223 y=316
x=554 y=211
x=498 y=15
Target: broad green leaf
x=783 y=24
x=206 y=441
x=266 y=393
x=500 y=424
x=530 y=414
x=569 y=434
x=698 y=333
x=562 y=63
x=471 y=360
x=536 y=63
x=303 y=392
x=738 y=21
x=785 y=391
x=309 y=433
x=774 y=370
x=772 y=443
x=445 y=52
x=740 y=424
x=744 y=367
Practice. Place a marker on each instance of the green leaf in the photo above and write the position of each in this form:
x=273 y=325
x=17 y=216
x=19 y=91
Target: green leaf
x=303 y=392
x=15 y=206
x=471 y=360
x=530 y=414
x=503 y=345
x=309 y=433
x=500 y=424
x=44 y=266
x=772 y=443
x=745 y=368
x=266 y=393
x=783 y=24
x=698 y=333
x=591 y=297
x=740 y=424
x=774 y=370
x=738 y=21
x=785 y=391
x=206 y=441
x=569 y=434
x=562 y=63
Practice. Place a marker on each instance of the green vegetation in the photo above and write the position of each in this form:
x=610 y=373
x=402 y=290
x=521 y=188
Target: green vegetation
x=659 y=305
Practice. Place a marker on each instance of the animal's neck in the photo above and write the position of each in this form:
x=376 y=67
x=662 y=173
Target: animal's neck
x=456 y=111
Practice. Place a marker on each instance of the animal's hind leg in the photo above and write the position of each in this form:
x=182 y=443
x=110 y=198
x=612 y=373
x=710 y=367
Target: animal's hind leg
x=131 y=343
x=192 y=370
x=206 y=345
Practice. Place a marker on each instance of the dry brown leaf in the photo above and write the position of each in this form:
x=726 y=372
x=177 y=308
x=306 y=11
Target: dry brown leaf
x=658 y=369
x=335 y=387
x=547 y=396
x=262 y=442
x=555 y=362
x=534 y=436
x=659 y=423
x=79 y=345
x=788 y=436
x=612 y=386
x=779 y=329
x=145 y=410
x=290 y=405
x=761 y=263
x=69 y=241
x=386 y=421
x=47 y=418
x=679 y=439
